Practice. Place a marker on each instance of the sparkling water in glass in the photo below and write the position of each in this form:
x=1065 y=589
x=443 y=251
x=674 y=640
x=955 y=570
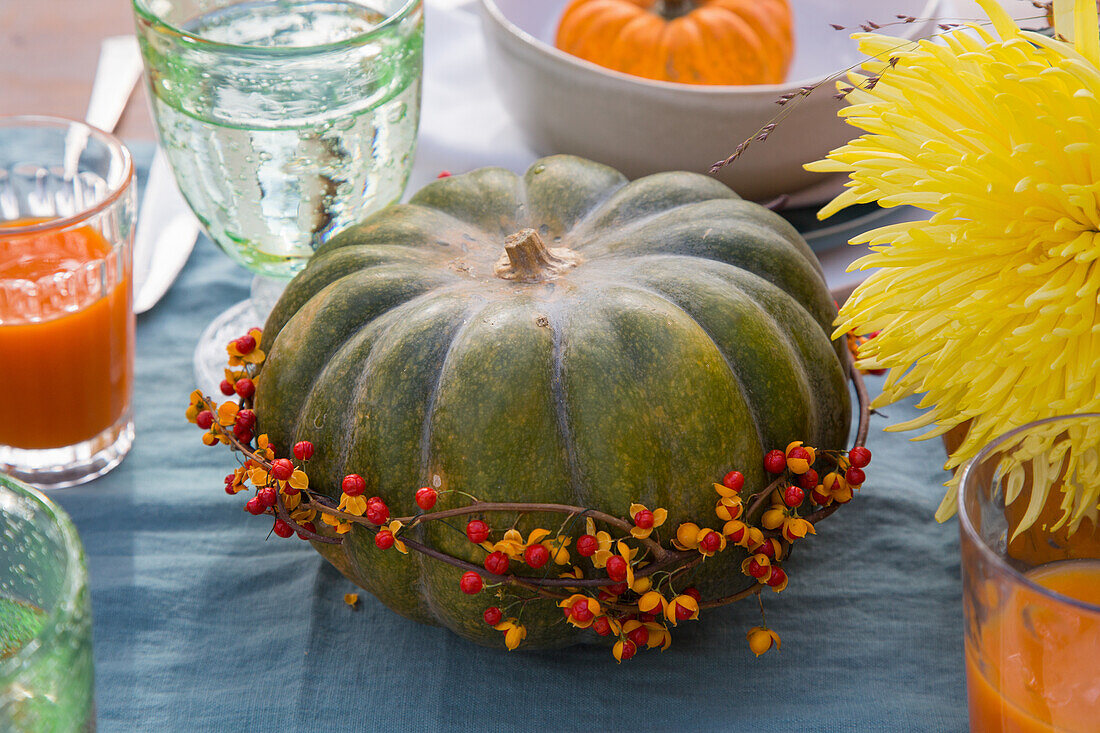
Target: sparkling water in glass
x=284 y=120
x=46 y=677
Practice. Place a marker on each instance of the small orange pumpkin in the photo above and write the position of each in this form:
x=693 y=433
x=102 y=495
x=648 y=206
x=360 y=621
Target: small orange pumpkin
x=686 y=41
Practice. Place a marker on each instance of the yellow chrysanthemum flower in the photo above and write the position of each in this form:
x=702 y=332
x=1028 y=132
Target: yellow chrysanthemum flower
x=990 y=309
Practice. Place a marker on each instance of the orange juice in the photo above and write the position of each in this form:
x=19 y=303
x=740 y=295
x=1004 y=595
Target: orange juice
x=1038 y=667
x=66 y=363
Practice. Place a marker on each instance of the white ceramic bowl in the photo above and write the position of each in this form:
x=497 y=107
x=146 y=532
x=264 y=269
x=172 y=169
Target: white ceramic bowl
x=567 y=105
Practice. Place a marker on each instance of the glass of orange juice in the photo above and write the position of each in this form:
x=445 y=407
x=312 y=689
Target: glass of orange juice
x=1031 y=578
x=66 y=315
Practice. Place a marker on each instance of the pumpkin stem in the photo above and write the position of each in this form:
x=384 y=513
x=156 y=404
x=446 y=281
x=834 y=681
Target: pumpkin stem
x=527 y=259
x=672 y=9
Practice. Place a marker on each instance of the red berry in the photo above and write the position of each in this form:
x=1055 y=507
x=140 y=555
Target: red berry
x=246 y=418
x=242 y=433
x=644 y=519
x=639 y=636
x=628 y=650
x=245 y=344
x=282 y=468
x=775 y=462
x=793 y=496
x=693 y=592
x=471 y=583
x=737 y=535
x=800 y=452
x=204 y=419
x=587 y=545
x=616 y=590
x=425 y=498
x=227 y=388
x=646 y=617
x=384 y=539
x=477 y=531
x=245 y=387
x=808 y=481
x=303 y=450
x=819 y=498
x=734 y=480
x=683 y=613
x=855 y=476
x=769 y=547
x=377 y=512
x=282 y=529
x=580 y=611
x=497 y=563
x=859 y=456
x=711 y=541
x=492 y=615
x=253 y=506
x=267 y=496
x=777 y=577
x=353 y=485
x=616 y=568
x=444 y=174
x=536 y=556
x=602 y=626
x=757 y=570
x=308 y=526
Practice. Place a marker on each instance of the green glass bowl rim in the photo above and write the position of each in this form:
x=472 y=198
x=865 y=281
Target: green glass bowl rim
x=74 y=591
x=163 y=27
x=970 y=533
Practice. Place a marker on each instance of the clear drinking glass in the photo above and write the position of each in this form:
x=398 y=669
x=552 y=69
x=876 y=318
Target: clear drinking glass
x=66 y=314
x=1032 y=597
x=285 y=121
x=46 y=676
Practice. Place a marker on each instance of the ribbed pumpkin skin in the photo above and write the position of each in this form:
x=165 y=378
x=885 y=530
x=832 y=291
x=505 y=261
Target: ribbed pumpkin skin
x=714 y=42
x=689 y=339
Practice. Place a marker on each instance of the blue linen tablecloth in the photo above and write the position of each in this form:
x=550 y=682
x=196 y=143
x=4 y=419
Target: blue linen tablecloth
x=201 y=624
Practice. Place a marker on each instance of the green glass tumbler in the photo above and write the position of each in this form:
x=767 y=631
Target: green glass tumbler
x=46 y=678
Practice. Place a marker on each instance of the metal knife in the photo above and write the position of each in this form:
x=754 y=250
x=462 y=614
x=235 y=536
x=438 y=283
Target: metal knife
x=166 y=234
x=117 y=72
x=166 y=228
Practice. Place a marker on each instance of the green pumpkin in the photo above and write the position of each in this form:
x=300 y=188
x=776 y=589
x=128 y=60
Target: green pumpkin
x=563 y=336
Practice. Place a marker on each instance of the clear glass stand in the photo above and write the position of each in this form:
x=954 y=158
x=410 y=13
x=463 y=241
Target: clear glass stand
x=210 y=355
